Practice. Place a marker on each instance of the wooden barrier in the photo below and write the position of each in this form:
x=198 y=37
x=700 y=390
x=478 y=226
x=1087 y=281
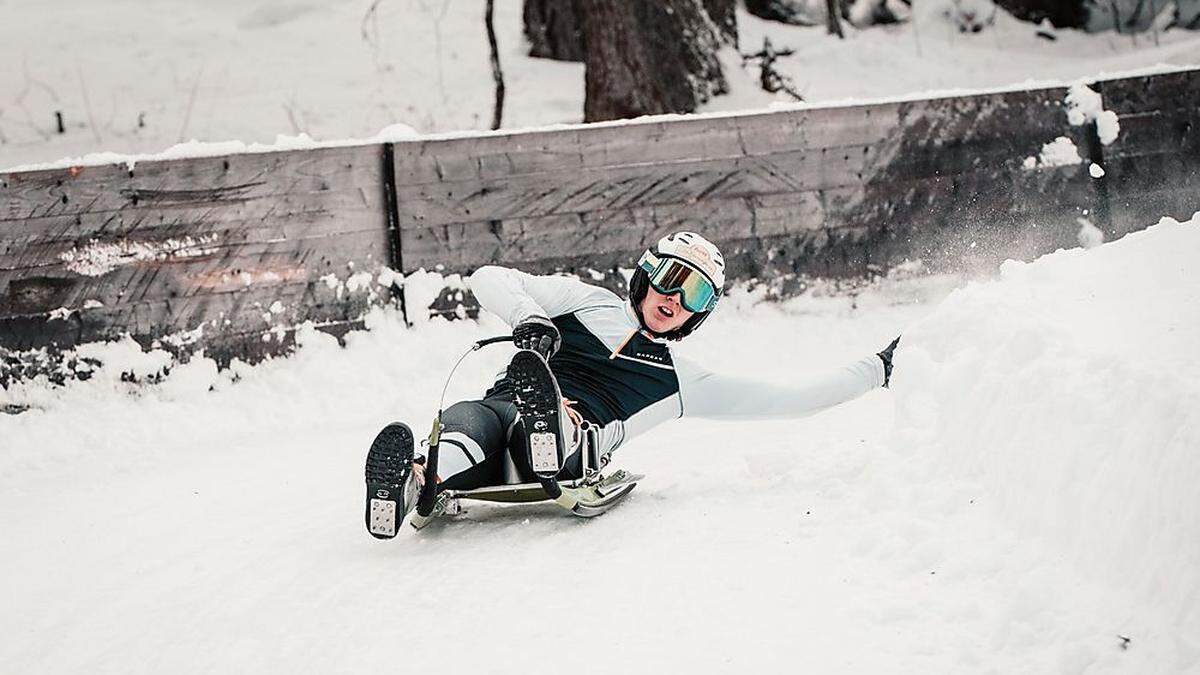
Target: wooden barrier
x=1153 y=167
x=230 y=254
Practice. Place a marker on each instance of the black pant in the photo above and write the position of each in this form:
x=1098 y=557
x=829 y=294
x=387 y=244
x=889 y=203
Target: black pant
x=494 y=424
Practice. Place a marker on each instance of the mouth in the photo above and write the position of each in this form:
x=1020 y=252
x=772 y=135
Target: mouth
x=666 y=311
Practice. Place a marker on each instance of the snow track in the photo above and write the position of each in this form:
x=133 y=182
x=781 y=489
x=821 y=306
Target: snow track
x=949 y=525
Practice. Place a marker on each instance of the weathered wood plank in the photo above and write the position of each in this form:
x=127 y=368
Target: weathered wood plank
x=1152 y=169
x=611 y=237
x=228 y=269
x=628 y=187
x=658 y=142
x=190 y=182
x=461 y=247
x=915 y=140
x=684 y=140
x=661 y=142
x=1156 y=133
x=243 y=311
x=817 y=128
x=215 y=233
x=332 y=212
x=472 y=158
x=1167 y=92
x=1143 y=189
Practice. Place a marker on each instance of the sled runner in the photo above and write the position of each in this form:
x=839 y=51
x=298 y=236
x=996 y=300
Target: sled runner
x=537 y=398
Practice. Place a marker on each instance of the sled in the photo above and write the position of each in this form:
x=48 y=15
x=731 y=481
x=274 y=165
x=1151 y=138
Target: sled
x=587 y=496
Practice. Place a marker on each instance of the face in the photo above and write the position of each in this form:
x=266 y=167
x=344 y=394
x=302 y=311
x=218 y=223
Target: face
x=663 y=313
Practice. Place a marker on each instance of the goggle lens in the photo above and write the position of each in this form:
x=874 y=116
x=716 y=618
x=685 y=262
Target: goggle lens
x=674 y=276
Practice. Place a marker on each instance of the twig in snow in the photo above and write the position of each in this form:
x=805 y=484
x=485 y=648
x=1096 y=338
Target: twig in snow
x=371 y=16
x=87 y=105
x=187 y=113
x=772 y=80
x=437 y=48
x=20 y=99
x=916 y=35
x=497 y=74
x=290 y=109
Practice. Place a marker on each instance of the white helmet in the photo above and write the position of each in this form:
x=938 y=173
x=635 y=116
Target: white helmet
x=684 y=263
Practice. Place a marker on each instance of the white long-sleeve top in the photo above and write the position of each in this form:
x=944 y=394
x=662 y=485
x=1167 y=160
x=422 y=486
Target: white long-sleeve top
x=626 y=381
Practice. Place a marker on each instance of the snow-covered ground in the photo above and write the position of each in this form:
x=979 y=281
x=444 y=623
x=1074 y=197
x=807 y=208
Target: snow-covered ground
x=1022 y=500
x=138 y=76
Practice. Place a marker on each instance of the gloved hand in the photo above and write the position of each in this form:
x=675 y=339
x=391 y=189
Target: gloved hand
x=886 y=357
x=539 y=334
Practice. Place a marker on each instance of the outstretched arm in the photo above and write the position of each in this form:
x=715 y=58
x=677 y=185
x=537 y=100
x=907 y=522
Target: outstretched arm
x=708 y=394
x=515 y=296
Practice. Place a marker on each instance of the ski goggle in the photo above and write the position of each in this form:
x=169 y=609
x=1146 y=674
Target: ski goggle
x=672 y=275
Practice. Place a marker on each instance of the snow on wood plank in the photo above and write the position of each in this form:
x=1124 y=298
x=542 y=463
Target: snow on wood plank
x=231 y=268
x=173 y=239
x=196 y=319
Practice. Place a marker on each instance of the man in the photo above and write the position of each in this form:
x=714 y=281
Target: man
x=615 y=369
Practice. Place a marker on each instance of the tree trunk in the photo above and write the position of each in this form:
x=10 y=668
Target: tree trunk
x=553 y=29
x=648 y=58
x=1062 y=13
x=833 y=20
x=723 y=13
x=795 y=12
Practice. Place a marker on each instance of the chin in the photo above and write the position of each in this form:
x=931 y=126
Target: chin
x=662 y=328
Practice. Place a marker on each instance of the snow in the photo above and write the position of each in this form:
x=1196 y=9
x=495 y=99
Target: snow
x=165 y=73
x=1021 y=497
x=97 y=258
x=1089 y=235
x=1085 y=105
x=1059 y=152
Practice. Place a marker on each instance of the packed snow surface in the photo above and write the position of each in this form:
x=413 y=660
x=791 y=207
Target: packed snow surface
x=1022 y=500
x=134 y=77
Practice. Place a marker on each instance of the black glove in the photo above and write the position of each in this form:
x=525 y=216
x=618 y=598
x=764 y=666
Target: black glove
x=886 y=357
x=539 y=334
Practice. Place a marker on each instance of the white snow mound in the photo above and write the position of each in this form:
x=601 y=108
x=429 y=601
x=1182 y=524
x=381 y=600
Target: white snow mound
x=1069 y=391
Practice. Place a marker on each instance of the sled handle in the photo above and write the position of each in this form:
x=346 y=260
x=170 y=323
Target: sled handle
x=428 y=494
x=491 y=341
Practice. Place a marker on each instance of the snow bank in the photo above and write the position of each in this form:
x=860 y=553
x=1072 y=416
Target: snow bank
x=1032 y=499
x=1069 y=391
